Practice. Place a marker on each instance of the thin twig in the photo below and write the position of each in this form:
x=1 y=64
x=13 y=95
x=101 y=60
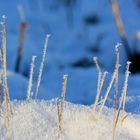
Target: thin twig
x=99 y=91
x=0 y=83
x=60 y=110
x=107 y=92
x=31 y=78
x=0 y=93
x=7 y=105
x=123 y=91
x=119 y=23
x=42 y=64
x=116 y=86
x=22 y=30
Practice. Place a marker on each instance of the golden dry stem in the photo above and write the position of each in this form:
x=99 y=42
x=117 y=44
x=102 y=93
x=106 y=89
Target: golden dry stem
x=116 y=87
x=99 y=90
x=107 y=92
x=64 y=92
x=123 y=96
x=7 y=105
x=0 y=93
x=116 y=12
x=125 y=90
x=120 y=26
x=60 y=110
x=0 y=84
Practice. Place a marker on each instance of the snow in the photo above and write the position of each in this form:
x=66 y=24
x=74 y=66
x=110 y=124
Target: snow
x=38 y=120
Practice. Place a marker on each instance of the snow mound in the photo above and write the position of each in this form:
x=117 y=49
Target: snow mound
x=38 y=120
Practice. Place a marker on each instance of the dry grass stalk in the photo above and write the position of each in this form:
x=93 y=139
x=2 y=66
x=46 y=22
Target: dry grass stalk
x=125 y=90
x=0 y=93
x=123 y=119
x=99 y=78
x=95 y=59
x=7 y=105
x=123 y=96
x=119 y=23
x=116 y=86
x=99 y=90
x=107 y=92
x=42 y=64
x=4 y=67
x=31 y=78
x=99 y=73
x=0 y=83
x=64 y=92
x=22 y=30
x=60 y=110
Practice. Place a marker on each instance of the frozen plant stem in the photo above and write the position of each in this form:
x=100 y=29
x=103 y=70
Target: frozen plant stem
x=7 y=105
x=0 y=84
x=116 y=86
x=0 y=93
x=119 y=23
x=6 y=95
x=22 y=29
x=125 y=90
x=99 y=90
x=31 y=78
x=64 y=91
x=107 y=92
x=42 y=64
x=60 y=110
x=95 y=59
x=123 y=96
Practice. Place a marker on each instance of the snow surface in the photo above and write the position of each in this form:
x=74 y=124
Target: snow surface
x=38 y=120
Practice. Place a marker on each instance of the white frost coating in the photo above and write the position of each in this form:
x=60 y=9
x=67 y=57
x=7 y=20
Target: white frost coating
x=126 y=83
x=42 y=64
x=99 y=90
x=65 y=77
x=31 y=78
x=107 y=92
x=4 y=16
x=118 y=46
x=37 y=120
x=95 y=59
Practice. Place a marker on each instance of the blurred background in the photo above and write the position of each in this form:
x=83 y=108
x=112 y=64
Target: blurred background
x=80 y=30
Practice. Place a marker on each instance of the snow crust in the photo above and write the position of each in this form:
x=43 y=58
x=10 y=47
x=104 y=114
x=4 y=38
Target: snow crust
x=38 y=120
